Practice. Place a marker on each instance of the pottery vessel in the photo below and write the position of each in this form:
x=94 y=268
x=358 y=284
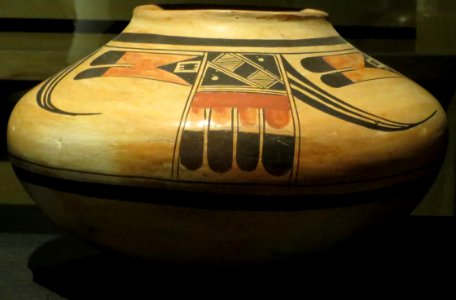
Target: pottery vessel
x=226 y=136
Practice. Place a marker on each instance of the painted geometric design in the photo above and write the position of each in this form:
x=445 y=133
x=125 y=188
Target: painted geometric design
x=346 y=69
x=310 y=93
x=144 y=65
x=241 y=98
x=228 y=61
x=244 y=102
x=262 y=79
x=241 y=111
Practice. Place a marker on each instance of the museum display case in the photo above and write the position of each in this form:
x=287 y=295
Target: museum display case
x=40 y=38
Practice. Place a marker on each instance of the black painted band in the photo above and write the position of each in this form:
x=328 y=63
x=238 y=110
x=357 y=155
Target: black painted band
x=196 y=41
x=217 y=201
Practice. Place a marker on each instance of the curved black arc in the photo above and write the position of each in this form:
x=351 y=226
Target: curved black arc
x=316 y=89
x=359 y=121
x=44 y=94
x=376 y=122
x=147 y=38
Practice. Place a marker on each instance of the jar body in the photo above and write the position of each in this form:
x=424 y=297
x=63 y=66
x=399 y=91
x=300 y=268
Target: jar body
x=226 y=104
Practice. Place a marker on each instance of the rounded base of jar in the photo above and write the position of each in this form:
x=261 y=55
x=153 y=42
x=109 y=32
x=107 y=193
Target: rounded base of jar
x=145 y=226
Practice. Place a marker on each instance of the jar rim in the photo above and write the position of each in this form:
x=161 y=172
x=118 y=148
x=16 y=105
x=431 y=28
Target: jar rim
x=151 y=9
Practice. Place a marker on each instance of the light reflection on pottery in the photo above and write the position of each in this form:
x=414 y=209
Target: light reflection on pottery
x=226 y=135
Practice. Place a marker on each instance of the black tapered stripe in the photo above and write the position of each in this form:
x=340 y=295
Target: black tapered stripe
x=44 y=94
x=336 y=80
x=278 y=153
x=91 y=73
x=110 y=57
x=247 y=151
x=191 y=149
x=220 y=150
x=316 y=64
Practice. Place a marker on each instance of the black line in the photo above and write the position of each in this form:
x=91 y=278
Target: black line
x=325 y=108
x=328 y=76
x=45 y=101
x=286 y=84
x=264 y=184
x=358 y=121
x=50 y=91
x=219 y=201
x=39 y=95
x=187 y=107
x=148 y=38
x=330 y=111
x=140 y=77
x=329 y=96
x=292 y=99
x=46 y=98
x=258 y=51
x=298 y=138
x=374 y=124
x=372 y=79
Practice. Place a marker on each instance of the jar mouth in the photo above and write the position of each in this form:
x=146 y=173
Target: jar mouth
x=155 y=10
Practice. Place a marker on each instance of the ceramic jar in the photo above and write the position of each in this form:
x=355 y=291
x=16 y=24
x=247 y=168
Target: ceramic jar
x=224 y=135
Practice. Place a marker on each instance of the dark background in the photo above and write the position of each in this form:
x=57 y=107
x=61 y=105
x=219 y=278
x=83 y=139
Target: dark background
x=39 y=38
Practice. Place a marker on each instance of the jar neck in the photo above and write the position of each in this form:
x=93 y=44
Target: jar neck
x=231 y=24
